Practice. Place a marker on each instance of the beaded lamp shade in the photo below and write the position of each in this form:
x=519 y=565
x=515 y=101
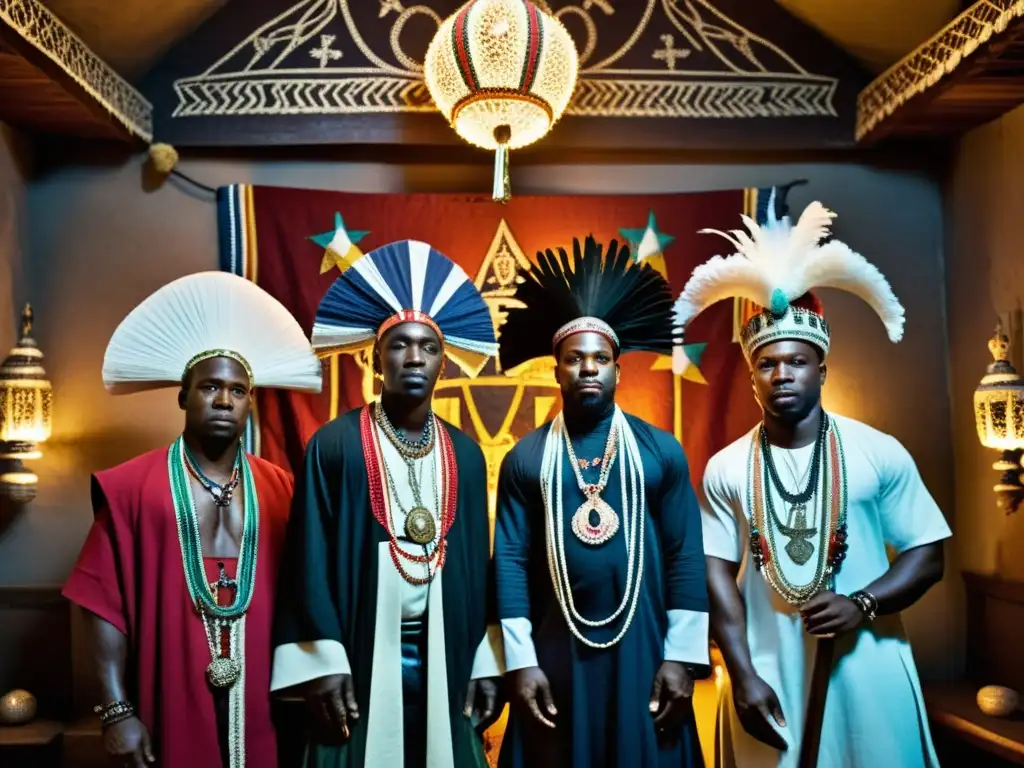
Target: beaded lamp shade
x=502 y=72
x=999 y=400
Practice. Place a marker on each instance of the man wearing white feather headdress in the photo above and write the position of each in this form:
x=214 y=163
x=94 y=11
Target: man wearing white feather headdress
x=382 y=620
x=797 y=518
x=178 y=572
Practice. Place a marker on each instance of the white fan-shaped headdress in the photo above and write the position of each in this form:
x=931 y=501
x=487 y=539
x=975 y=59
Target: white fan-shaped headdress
x=204 y=315
x=776 y=264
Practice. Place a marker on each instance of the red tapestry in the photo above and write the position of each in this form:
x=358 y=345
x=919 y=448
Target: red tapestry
x=276 y=236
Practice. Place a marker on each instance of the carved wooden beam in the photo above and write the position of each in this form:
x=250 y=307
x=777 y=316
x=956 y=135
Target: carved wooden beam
x=50 y=82
x=971 y=72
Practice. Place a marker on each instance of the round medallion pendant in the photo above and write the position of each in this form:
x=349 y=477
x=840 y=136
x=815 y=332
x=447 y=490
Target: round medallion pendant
x=222 y=673
x=594 y=532
x=420 y=526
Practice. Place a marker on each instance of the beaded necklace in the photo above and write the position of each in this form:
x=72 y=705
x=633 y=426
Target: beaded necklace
x=221 y=493
x=382 y=495
x=633 y=506
x=607 y=523
x=420 y=526
x=832 y=532
x=223 y=671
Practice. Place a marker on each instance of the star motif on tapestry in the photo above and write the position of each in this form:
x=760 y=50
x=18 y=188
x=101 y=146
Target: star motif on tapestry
x=692 y=353
x=339 y=245
x=649 y=244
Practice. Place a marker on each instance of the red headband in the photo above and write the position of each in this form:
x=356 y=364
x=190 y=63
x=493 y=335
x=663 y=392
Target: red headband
x=409 y=316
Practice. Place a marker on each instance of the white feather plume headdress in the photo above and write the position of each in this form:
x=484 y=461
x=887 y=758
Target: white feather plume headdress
x=204 y=315
x=777 y=263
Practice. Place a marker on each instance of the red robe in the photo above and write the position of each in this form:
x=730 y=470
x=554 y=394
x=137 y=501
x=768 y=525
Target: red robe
x=130 y=574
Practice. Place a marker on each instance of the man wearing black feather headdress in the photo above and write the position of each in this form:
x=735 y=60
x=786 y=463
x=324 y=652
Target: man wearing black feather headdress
x=598 y=549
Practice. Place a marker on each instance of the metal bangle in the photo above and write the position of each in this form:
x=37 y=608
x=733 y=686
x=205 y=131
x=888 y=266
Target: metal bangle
x=867 y=603
x=114 y=712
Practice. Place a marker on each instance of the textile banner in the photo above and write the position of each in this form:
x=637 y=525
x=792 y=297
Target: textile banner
x=277 y=238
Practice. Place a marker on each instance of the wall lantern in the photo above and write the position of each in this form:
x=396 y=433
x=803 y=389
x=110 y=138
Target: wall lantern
x=26 y=413
x=999 y=418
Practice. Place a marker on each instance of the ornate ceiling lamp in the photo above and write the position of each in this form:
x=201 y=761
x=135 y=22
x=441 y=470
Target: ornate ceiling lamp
x=502 y=72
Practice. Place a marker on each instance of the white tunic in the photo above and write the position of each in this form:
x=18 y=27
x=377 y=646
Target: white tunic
x=875 y=714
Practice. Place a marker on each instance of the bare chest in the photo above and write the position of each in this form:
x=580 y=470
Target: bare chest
x=220 y=527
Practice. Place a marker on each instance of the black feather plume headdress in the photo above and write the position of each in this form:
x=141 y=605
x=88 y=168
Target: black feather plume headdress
x=595 y=290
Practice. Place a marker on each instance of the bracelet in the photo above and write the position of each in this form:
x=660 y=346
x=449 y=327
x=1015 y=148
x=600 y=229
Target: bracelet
x=867 y=603
x=114 y=712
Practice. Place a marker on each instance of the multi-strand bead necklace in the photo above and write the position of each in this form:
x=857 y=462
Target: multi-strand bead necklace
x=421 y=525
x=621 y=444
x=828 y=476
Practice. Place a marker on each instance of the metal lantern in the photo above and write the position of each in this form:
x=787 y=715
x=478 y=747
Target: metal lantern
x=999 y=418
x=502 y=72
x=26 y=399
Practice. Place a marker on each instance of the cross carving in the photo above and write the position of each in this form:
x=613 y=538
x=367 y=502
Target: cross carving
x=325 y=54
x=670 y=53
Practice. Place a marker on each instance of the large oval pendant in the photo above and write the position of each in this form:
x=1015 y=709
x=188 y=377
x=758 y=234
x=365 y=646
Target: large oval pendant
x=420 y=526
x=222 y=673
x=590 y=532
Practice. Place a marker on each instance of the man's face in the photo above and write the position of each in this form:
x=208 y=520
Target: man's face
x=787 y=378
x=586 y=371
x=409 y=357
x=215 y=397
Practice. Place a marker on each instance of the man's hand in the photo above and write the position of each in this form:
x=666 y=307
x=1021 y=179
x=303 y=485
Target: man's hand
x=482 y=701
x=528 y=685
x=332 y=703
x=671 y=697
x=757 y=705
x=127 y=744
x=828 y=614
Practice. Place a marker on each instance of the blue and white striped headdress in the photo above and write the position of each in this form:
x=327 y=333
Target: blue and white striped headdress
x=403 y=282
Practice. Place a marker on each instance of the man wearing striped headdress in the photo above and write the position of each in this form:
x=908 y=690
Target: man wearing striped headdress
x=600 y=570
x=382 y=620
x=178 y=573
x=798 y=517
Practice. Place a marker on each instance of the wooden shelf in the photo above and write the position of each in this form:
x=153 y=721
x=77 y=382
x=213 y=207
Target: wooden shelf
x=954 y=707
x=38 y=733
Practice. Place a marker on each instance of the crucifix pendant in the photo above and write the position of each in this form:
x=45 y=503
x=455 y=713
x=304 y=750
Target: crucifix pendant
x=799 y=548
x=223 y=582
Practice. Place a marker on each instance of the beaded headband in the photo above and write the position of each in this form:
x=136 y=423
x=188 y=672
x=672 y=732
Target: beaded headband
x=797 y=323
x=211 y=353
x=409 y=316
x=584 y=325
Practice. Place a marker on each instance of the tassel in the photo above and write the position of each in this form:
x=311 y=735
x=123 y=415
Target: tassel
x=164 y=158
x=502 y=190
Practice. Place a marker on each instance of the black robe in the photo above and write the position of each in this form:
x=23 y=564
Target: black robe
x=328 y=587
x=602 y=696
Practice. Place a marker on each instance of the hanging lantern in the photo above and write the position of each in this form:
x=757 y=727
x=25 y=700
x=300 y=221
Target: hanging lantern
x=25 y=409
x=502 y=72
x=999 y=419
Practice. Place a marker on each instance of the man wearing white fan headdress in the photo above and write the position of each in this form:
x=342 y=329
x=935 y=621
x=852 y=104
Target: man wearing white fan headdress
x=797 y=518
x=178 y=572
x=382 y=618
